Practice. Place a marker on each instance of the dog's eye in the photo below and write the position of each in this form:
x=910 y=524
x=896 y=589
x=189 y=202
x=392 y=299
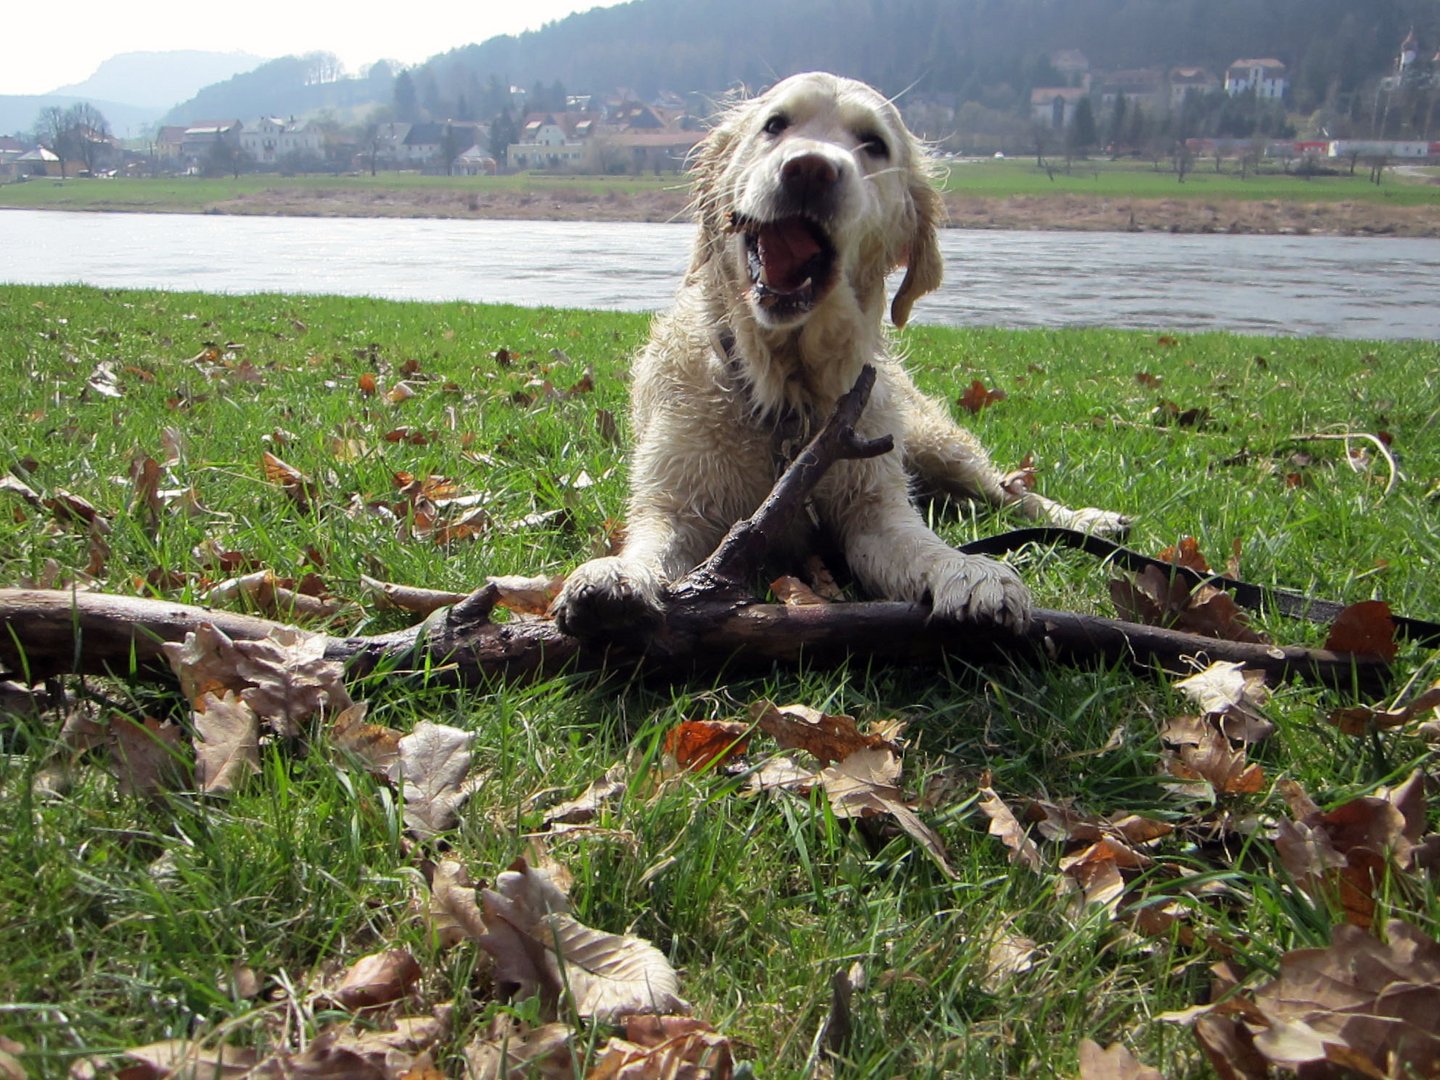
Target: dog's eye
x=776 y=124
x=874 y=145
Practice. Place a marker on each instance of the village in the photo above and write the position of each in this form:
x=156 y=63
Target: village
x=1088 y=111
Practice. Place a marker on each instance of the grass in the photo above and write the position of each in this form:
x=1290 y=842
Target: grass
x=127 y=918
x=194 y=194
x=985 y=178
x=1141 y=180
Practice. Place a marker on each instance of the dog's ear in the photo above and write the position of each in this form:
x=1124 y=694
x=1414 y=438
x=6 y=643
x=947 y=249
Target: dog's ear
x=923 y=265
x=706 y=167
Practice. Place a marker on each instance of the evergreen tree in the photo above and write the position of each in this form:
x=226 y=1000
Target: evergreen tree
x=407 y=105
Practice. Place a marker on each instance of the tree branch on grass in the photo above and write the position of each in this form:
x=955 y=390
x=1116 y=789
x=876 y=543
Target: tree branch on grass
x=709 y=624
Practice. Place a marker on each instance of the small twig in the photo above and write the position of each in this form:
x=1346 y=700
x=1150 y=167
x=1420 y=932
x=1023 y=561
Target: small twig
x=1345 y=437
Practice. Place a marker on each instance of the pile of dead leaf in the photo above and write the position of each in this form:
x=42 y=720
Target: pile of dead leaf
x=620 y=997
x=1365 y=1005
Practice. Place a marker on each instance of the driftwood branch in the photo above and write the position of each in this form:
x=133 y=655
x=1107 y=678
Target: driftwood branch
x=709 y=625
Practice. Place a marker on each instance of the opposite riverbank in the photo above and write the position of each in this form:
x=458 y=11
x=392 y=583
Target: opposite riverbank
x=1204 y=205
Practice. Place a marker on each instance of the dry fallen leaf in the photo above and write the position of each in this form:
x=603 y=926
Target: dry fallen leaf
x=665 y=1048
x=146 y=755
x=228 y=748
x=1112 y=1063
x=864 y=784
x=527 y=595
x=542 y=1053
x=1226 y=691
x=1360 y=1004
x=792 y=592
x=375 y=980
x=826 y=737
x=539 y=948
x=434 y=763
x=1006 y=826
x=697 y=744
x=454 y=909
x=1365 y=628
x=180 y=1059
x=1363 y=719
x=377 y=747
x=586 y=806
x=976 y=397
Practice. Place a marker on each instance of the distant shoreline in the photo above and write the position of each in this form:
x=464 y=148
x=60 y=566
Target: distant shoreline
x=1097 y=213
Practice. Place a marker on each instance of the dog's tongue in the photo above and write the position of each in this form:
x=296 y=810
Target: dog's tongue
x=785 y=248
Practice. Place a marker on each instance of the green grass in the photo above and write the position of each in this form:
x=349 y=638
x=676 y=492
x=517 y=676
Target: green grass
x=124 y=917
x=193 y=194
x=1141 y=180
x=986 y=178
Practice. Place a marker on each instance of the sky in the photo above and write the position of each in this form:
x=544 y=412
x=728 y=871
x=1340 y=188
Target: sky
x=46 y=48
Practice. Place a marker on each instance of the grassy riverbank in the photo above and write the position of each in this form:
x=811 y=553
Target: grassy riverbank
x=979 y=194
x=138 y=915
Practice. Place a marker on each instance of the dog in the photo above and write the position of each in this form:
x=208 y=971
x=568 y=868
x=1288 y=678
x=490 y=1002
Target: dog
x=806 y=198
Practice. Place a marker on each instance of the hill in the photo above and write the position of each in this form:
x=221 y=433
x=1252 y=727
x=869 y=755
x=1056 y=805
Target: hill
x=289 y=86
x=157 y=80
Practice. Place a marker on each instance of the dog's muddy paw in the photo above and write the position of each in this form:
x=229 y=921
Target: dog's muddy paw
x=608 y=596
x=982 y=591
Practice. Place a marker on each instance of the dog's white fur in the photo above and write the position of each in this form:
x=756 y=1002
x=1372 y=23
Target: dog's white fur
x=727 y=364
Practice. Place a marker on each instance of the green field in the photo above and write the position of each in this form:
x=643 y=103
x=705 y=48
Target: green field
x=193 y=194
x=986 y=178
x=1140 y=180
x=133 y=918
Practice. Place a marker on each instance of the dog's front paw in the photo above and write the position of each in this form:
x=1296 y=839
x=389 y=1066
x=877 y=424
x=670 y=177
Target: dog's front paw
x=1100 y=522
x=980 y=590
x=608 y=595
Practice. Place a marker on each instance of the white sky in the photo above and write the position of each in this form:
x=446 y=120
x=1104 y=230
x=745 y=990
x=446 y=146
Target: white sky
x=45 y=47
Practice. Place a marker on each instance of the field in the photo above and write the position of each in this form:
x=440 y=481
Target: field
x=1013 y=193
x=140 y=909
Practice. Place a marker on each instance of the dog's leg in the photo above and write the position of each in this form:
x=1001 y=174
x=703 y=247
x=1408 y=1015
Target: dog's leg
x=893 y=554
x=945 y=457
x=686 y=491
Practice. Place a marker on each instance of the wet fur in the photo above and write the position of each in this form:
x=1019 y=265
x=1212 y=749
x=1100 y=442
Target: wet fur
x=720 y=373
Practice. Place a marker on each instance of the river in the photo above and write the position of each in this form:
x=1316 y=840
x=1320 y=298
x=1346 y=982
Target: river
x=1344 y=287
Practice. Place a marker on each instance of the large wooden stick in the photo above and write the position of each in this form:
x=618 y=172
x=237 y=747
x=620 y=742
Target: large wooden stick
x=709 y=625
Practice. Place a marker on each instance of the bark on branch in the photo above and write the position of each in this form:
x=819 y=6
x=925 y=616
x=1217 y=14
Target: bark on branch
x=708 y=625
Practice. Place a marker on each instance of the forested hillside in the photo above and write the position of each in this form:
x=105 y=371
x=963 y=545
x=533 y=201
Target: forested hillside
x=948 y=52
x=980 y=50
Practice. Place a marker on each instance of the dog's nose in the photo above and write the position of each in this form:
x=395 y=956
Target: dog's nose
x=810 y=176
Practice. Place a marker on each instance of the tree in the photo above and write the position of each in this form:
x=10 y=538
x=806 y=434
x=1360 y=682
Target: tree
x=407 y=102
x=51 y=130
x=503 y=132
x=1115 y=135
x=1082 y=135
x=89 y=133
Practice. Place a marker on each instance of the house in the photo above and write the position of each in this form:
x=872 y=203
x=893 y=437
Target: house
x=474 y=162
x=1054 y=106
x=1185 y=81
x=1263 y=78
x=37 y=162
x=1072 y=66
x=271 y=141
x=199 y=140
x=169 y=145
x=11 y=150
x=653 y=151
x=551 y=141
x=1139 y=86
x=433 y=146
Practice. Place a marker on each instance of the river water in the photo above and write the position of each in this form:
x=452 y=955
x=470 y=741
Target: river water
x=1296 y=285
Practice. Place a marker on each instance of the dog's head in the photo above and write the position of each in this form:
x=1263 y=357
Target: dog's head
x=813 y=186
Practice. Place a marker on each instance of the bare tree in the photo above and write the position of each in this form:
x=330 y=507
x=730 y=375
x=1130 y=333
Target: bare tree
x=89 y=133
x=51 y=131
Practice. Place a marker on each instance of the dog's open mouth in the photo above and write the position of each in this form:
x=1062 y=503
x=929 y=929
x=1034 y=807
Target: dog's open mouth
x=791 y=262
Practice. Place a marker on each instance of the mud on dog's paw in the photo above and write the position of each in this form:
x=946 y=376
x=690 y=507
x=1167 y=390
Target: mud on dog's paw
x=608 y=595
x=978 y=590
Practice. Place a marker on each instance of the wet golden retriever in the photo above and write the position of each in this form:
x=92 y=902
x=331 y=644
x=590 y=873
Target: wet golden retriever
x=807 y=197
